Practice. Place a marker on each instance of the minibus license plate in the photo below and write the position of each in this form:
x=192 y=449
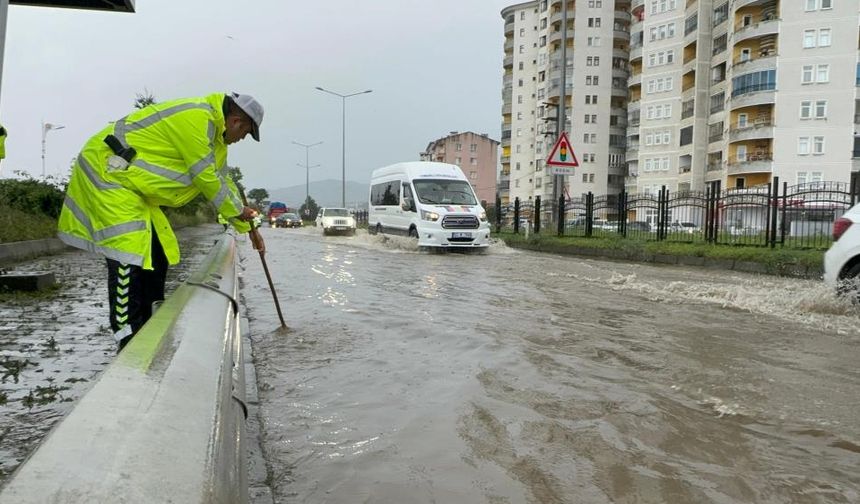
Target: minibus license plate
x=461 y=235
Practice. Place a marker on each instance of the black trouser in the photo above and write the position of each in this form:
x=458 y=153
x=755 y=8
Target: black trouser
x=132 y=290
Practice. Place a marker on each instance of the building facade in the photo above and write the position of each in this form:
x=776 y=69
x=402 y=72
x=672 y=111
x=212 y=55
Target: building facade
x=477 y=155
x=682 y=93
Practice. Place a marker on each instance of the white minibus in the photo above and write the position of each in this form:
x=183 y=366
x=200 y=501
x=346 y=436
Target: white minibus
x=430 y=201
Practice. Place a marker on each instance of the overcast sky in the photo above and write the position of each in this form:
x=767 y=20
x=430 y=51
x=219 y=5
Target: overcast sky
x=434 y=67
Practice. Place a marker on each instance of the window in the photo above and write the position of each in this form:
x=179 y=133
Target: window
x=585 y=177
x=473 y=147
x=591 y=178
x=803 y=146
x=593 y=41
x=818 y=145
x=458 y=146
x=811 y=5
x=824 y=37
x=821 y=109
x=473 y=162
x=522 y=32
x=522 y=49
x=805 y=109
x=826 y=4
x=801 y=177
x=743 y=120
x=741 y=154
x=808 y=39
x=594 y=22
x=764 y=80
x=745 y=55
x=807 y=74
x=720 y=44
x=822 y=73
x=458 y=161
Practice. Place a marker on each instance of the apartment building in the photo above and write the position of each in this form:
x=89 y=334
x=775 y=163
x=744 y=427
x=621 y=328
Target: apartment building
x=477 y=155
x=595 y=96
x=730 y=91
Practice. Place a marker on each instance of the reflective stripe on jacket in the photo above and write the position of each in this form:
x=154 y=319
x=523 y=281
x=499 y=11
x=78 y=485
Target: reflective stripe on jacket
x=180 y=153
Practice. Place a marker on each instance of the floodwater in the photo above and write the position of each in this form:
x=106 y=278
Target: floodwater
x=517 y=377
x=53 y=345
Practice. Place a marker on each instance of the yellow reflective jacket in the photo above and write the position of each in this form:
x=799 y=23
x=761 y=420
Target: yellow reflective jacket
x=180 y=153
x=2 y=142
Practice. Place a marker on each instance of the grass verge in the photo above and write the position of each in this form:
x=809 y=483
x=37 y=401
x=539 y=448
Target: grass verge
x=778 y=261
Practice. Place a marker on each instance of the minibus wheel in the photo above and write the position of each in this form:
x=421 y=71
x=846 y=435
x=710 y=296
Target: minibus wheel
x=413 y=233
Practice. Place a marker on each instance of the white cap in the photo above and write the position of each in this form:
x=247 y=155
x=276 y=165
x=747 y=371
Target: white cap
x=251 y=107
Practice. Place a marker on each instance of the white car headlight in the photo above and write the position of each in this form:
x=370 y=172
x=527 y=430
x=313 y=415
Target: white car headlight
x=430 y=216
x=483 y=216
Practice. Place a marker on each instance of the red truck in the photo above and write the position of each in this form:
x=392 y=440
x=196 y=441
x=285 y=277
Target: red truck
x=276 y=208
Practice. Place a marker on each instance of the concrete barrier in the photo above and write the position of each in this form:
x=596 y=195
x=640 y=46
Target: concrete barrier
x=166 y=421
x=18 y=251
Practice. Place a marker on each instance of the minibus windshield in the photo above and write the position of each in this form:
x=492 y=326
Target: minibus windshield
x=444 y=192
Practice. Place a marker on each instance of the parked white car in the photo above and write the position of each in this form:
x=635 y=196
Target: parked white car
x=336 y=221
x=842 y=260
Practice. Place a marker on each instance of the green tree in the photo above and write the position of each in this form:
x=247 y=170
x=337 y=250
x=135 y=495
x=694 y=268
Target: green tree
x=309 y=209
x=144 y=99
x=258 y=195
x=235 y=173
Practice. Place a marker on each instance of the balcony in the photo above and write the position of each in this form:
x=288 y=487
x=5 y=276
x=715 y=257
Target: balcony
x=621 y=73
x=716 y=166
x=755 y=30
x=506 y=108
x=508 y=61
x=509 y=45
x=754 y=163
x=766 y=61
x=754 y=131
x=635 y=53
x=622 y=35
x=632 y=148
x=505 y=159
x=634 y=80
x=753 y=95
x=634 y=4
x=509 y=28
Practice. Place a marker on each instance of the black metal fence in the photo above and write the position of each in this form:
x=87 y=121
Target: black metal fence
x=799 y=216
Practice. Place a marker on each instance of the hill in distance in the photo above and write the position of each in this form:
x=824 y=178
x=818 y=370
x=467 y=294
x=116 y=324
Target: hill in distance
x=327 y=193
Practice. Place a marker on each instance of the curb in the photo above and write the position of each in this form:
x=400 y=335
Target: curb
x=18 y=251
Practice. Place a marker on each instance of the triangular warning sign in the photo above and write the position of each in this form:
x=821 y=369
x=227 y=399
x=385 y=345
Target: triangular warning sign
x=562 y=153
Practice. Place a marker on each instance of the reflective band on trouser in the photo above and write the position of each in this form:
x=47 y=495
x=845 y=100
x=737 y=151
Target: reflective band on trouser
x=122 y=127
x=123 y=278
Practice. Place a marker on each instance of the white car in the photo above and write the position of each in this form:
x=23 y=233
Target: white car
x=842 y=260
x=336 y=221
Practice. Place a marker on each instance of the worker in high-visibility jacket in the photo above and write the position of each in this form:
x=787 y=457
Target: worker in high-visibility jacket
x=161 y=155
x=2 y=142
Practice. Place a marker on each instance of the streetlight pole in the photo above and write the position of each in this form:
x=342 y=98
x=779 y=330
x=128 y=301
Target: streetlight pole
x=46 y=127
x=343 y=138
x=307 y=178
x=307 y=167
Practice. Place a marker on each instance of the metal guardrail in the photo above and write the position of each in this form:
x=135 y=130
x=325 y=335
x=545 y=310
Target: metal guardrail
x=165 y=422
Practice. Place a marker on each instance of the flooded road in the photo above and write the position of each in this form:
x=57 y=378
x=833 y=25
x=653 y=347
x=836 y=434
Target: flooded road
x=517 y=377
